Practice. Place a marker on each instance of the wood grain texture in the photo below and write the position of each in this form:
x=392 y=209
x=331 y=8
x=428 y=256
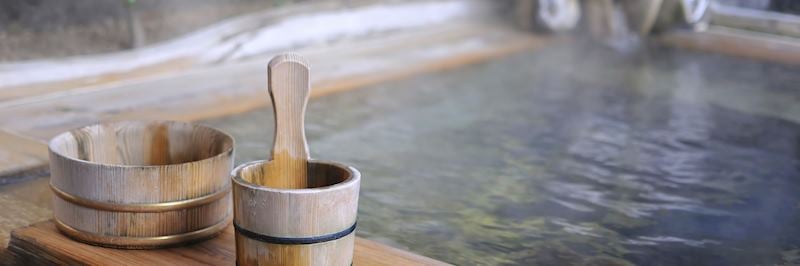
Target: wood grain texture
x=20 y=153
x=42 y=244
x=289 y=88
x=163 y=169
x=735 y=42
x=328 y=206
x=34 y=90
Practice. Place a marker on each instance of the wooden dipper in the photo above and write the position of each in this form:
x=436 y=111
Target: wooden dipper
x=289 y=88
x=293 y=210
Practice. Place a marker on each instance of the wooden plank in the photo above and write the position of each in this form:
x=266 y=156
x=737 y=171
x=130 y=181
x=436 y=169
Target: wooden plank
x=25 y=91
x=19 y=154
x=756 y=20
x=231 y=40
x=41 y=243
x=735 y=42
x=26 y=202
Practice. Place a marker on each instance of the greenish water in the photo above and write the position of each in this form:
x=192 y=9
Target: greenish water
x=570 y=155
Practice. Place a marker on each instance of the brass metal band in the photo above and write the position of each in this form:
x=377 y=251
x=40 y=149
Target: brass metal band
x=293 y=240
x=142 y=207
x=143 y=242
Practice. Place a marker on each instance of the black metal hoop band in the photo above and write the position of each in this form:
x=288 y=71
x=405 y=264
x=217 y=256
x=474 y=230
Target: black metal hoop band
x=294 y=240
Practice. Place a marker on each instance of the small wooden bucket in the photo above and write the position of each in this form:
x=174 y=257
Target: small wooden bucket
x=311 y=226
x=141 y=185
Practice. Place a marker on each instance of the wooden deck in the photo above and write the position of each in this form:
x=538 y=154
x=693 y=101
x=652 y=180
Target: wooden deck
x=42 y=244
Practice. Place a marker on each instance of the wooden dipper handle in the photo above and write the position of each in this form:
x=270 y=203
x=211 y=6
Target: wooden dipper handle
x=289 y=89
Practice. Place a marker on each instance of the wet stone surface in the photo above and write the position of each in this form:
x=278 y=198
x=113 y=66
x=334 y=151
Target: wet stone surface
x=570 y=155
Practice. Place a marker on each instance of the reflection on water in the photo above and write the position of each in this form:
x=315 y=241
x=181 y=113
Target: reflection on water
x=571 y=155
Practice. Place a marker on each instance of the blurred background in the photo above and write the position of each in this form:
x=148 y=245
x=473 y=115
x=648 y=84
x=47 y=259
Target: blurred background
x=43 y=29
x=509 y=132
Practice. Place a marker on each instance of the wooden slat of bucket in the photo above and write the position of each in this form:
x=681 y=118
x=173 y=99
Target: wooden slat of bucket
x=41 y=243
x=254 y=252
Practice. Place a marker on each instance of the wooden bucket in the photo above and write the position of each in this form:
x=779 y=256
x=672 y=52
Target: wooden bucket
x=311 y=226
x=139 y=185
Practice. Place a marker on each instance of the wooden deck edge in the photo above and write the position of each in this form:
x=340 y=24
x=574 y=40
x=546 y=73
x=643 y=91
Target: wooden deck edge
x=31 y=90
x=42 y=244
x=20 y=173
x=347 y=83
x=22 y=252
x=766 y=21
x=21 y=157
x=220 y=43
x=741 y=43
